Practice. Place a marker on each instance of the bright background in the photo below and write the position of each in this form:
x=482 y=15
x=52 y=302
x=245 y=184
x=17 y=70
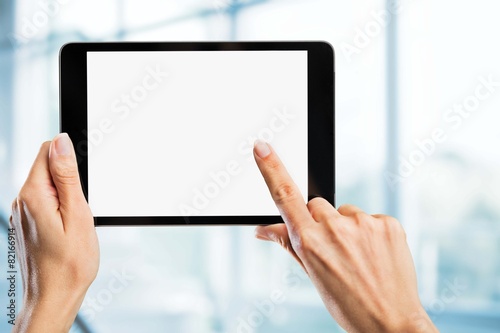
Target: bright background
x=404 y=72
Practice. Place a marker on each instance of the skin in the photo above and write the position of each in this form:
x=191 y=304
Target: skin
x=57 y=247
x=359 y=263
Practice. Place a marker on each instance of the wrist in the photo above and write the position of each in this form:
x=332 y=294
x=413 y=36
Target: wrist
x=49 y=313
x=418 y=322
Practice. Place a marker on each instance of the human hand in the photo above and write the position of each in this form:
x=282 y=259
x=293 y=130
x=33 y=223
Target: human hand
x=57 y=246
x=360 y=264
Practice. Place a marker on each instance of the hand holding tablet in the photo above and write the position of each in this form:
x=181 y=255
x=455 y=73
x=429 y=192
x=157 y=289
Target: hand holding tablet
x=164 y=132
x=360 y=263
x=55 y=241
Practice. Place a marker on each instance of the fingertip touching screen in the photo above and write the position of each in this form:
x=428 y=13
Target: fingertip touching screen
x=171 y=133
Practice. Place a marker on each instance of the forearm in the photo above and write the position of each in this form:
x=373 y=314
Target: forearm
x=55 y=315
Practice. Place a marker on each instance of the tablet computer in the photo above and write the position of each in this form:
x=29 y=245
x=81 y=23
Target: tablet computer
x=164 y=131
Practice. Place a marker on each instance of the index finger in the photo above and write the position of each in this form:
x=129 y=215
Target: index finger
x=39 y=172
x=284 y=191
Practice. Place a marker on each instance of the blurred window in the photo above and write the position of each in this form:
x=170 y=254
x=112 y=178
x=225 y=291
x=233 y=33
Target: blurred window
x=399 y=69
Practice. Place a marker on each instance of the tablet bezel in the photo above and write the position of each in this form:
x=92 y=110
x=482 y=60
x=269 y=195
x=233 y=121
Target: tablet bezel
x=321 y=120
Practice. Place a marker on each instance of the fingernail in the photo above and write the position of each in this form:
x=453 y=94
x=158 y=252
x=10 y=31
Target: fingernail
x=261 y=233
x=261 y=148
x=62 y=144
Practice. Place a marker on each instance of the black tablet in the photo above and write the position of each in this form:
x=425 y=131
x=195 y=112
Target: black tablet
x=164 y=131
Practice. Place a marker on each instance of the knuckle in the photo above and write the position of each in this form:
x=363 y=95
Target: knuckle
x=314 y=206
x=342 y=209
x=316 y=203
x=360 y=217
x=323 y=215
x=273 y=164
x=44 y=145
x=66 y=174
x=392 y=222
x=284 y=193
x=346 y=209
x=396 y=227
x=392 y=226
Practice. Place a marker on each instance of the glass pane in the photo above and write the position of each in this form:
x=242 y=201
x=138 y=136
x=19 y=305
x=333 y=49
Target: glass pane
x=449 y=168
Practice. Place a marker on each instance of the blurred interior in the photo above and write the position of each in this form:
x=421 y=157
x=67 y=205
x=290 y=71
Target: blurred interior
x=397 y=77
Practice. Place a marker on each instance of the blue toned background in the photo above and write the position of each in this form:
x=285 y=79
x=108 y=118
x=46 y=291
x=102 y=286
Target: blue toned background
x=417 y=119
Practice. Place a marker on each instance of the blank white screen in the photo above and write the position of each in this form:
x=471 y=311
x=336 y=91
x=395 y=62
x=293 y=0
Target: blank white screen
x=171 y=133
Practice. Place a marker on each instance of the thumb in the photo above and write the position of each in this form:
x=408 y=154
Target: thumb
x=278 y=233
x=64 y=171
